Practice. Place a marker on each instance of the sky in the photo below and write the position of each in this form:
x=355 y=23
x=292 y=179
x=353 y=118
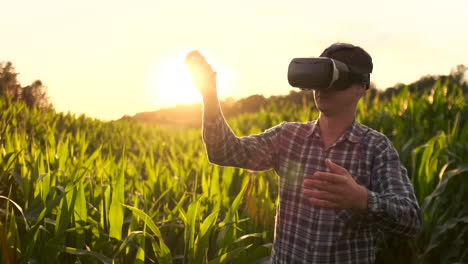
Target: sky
x=108 y=58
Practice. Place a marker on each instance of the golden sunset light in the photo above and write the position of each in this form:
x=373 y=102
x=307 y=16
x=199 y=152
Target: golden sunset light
x=253 y=132
x=120 y=50
x=171 y=83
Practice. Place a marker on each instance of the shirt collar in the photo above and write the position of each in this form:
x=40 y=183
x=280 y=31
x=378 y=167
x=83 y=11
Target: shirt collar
x=356 y=131
x=353 y=133
x=313 y=128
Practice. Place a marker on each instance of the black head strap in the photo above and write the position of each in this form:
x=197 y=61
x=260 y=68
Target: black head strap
x=363 y=78
x=337 y=46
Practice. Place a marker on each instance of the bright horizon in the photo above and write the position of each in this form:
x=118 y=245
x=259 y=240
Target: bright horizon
x=108 y=58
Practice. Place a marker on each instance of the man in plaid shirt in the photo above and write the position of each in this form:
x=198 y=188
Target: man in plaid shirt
x=341 y=184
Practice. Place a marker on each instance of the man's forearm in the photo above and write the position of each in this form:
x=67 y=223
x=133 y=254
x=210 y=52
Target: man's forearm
x=219 y=139
x=211 y=108
x=398 y=215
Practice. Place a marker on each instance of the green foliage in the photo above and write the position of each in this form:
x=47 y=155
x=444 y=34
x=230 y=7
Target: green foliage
x=74 y=189
x=33 y=95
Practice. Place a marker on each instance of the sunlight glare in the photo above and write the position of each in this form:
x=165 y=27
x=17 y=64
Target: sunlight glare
x=171 y=83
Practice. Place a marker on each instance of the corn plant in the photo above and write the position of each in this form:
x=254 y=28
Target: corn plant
x=76 y=189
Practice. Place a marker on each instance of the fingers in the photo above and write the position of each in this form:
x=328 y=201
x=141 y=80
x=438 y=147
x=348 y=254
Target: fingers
x=198 y=64
x=193 y=56
x=329 y=177
x=203 y=76
x=317 y=194
x=323 y=203
x=330 y=189
x=321 y=185
x=320 y=196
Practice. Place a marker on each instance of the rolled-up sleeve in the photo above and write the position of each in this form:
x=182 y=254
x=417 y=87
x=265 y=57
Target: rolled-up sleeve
x=256 y=152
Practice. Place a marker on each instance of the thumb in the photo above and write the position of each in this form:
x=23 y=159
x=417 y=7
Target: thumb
x=335 y=168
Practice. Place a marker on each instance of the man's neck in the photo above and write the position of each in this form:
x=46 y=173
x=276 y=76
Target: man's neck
x=332 y=127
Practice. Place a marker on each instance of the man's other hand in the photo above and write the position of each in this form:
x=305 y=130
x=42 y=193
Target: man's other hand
x=336 y=189
x=204 y=78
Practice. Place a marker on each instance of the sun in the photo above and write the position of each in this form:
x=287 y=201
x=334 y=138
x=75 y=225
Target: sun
x=171 y=83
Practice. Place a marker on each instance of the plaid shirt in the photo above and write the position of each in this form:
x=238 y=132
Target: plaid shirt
x=305 y=233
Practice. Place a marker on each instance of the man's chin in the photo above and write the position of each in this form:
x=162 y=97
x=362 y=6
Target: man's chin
x=322 y=108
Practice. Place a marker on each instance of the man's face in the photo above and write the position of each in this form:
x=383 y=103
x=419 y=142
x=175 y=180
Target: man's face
x=332 y=102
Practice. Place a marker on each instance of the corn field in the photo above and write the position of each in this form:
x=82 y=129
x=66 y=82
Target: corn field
x=78 y=190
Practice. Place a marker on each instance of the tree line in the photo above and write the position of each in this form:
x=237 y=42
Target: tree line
x=189 y=115
x=33 y=95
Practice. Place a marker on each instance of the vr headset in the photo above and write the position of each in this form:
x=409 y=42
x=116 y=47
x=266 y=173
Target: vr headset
x=324 y=72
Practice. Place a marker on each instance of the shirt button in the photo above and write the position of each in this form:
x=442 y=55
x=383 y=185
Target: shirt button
x=311 y=247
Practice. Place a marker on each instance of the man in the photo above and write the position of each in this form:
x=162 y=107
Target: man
x=341 y=184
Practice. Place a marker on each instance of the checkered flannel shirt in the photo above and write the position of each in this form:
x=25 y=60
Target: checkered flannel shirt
x=305 y=233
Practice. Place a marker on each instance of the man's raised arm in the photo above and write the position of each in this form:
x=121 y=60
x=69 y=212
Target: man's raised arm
x=256 y=152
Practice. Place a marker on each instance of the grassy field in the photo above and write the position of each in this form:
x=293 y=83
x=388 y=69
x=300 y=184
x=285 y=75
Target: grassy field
x=78 y=190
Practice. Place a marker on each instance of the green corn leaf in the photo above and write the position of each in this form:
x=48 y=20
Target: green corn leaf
x=126 y=242
x=141 y=252
x=162 y=250
x=203 y=238
x=244 y=237
x=116 y=215
x=163 y=254
x=81 y=210
x=189 y=230
x=226 y=257
x=446 y=177
x=227 y=234
x=81 y=252
x=19 y=209
x=146 y=219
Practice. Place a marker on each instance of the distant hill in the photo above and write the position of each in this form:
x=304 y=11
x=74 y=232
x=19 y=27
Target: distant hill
x=189 y=115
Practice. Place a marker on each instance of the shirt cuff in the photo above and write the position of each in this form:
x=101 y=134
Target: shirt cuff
x=373 y=203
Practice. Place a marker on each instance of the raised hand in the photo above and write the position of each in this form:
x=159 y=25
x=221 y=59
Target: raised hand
x=204 y=78
x=336 y=189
